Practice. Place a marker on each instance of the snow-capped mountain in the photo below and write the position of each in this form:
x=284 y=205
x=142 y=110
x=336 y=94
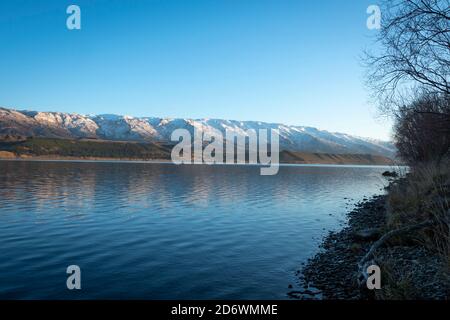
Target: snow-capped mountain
x=126 y=128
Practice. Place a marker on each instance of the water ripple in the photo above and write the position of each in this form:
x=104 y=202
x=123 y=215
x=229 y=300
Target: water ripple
x=166 y=232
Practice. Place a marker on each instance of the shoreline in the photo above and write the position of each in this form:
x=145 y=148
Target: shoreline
x=332 y=273
x=83 y=159
x=166 y=161
x=163 y=161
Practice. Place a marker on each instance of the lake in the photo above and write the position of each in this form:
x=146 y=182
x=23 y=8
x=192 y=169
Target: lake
x=160 y=231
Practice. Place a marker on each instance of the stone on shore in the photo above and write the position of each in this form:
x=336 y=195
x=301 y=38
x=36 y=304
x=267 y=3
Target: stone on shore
x=367 y=234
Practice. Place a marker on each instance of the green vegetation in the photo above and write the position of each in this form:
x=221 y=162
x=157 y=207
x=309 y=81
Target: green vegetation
x=86 y=149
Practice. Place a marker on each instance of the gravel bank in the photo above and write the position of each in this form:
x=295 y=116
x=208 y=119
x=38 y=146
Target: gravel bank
x=333 y=273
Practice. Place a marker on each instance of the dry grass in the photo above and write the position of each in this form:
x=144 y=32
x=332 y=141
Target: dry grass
x=396 y=286
x=421 y=195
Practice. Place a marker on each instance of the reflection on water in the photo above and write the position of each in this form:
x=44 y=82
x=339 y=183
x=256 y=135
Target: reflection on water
x=159 y=231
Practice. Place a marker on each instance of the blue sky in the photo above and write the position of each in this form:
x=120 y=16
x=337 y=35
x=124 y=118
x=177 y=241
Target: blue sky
x=289 y=61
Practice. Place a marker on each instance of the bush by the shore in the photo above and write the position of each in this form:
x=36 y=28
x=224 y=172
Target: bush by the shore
x=414 y=264
x=421 y=198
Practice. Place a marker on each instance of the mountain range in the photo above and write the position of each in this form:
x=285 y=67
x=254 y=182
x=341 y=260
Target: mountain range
x=153 y=129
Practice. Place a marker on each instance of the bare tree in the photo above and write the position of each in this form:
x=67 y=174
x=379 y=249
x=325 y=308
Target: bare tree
x=415 y=52
x=422 y=129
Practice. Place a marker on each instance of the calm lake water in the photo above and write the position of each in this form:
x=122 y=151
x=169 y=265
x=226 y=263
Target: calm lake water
x=160 y=231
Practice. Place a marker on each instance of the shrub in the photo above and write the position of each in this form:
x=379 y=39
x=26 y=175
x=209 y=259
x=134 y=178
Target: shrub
x=422 y=129
x=424 y=196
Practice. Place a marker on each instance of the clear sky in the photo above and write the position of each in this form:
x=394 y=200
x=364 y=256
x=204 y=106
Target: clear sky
x=289 y=61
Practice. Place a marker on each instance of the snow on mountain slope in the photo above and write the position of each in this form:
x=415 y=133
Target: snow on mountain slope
x=126 y=128
x=114 y=127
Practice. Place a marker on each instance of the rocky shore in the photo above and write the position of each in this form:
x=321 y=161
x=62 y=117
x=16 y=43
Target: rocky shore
x=332 y=274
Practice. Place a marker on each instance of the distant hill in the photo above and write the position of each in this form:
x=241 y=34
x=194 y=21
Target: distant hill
x=332 y=158
x=53 y=148
x=157 y=130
